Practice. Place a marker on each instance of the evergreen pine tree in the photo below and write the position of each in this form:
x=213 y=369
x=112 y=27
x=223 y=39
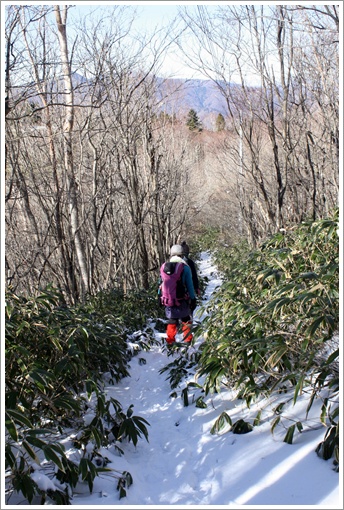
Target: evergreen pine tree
x=193 y=122
x=220 y=122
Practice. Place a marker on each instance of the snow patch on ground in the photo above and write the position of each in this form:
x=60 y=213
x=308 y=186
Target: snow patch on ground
x=184 y=465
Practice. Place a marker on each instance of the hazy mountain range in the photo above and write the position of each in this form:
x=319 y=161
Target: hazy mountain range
x=203 y=96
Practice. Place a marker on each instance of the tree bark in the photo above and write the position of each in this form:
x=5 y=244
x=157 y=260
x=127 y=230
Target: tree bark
x=61 y=20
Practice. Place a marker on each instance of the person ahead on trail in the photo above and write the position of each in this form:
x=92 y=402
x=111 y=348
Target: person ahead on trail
x=177 y=295
x=192 y=266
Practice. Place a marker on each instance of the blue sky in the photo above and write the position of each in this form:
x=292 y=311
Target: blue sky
x=152 y=15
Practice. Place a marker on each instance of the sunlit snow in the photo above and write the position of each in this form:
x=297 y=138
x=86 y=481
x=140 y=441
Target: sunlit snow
x=183 y=465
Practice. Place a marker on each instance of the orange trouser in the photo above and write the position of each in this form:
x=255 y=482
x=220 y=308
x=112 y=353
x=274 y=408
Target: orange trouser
x=186 y=327
x=172 y=330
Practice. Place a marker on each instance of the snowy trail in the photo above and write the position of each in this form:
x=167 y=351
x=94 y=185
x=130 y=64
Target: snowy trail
x=183 y=464
x=169 y=452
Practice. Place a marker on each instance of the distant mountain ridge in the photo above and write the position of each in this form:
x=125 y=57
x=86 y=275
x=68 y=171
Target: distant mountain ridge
x=178 y=96
x=203 y=96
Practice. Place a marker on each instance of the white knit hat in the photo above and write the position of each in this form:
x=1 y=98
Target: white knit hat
x=176 y=249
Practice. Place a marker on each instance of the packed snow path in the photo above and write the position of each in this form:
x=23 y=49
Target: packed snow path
x=183 y=464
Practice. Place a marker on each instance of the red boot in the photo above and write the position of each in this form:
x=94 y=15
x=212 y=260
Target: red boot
x=186 y=328
x=171 y=331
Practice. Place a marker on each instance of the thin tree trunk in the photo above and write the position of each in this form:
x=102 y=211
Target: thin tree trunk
x=68 y=152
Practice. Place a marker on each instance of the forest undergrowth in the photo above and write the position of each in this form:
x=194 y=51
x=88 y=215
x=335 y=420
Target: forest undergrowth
x=270 y=328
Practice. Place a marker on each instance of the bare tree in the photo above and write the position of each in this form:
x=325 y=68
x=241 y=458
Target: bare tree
x=94 y=179
x=125 y=91
x=240 y=45
x=72 y=188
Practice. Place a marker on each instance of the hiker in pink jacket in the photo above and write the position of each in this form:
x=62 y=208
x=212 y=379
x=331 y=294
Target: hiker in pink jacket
x=177 y=295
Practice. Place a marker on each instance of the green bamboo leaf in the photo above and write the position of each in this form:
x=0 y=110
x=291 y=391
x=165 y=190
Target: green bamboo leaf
x=92 y=469
x=11 y=428
x=185 y=397
x=67 y=402
x=257 y=419
x=140 y=424
x=83 y=468
x=310 y=403
x=41 y=378
x=35 y=441
x=312 y=328
x=289 y=435
x=279 y=408
x=277 y=304
x=31 y=452
x=100 y=405
x=9 y=457
x=299 y=426
x=133 y=434
x=308 y=276
x=27 y=487
x=200 y=403
x=331 y=322
x=274 y=423
x=91 y=387
x=286 y=362
x=140 y=419
x=117 y=405
x=298 y=388
x=56 y=343
x=59 y=448
x=19 y=418
x=39 y=432
x=127 y=429
x=122 y=492
x=220 y=423
x=276 y=356
x=130 y=410
x=323 y=414
x=98 y=437
x=241 y=427
x=22 y=325
x=334 y=414
x=290 y=288
x=51 y=455
x=128 y=478
x=84 y=331
x=194 y=385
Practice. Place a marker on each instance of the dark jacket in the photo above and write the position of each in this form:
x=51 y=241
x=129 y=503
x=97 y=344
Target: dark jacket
x=192 y=266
